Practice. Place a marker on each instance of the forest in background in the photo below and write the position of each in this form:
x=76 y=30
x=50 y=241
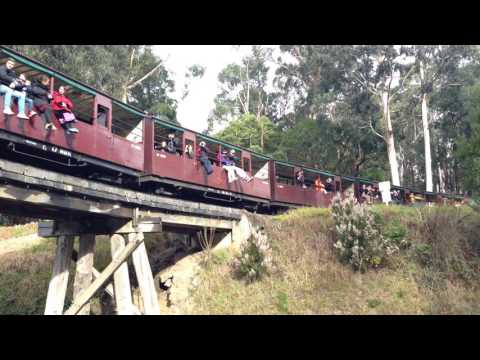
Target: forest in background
x=408 y=114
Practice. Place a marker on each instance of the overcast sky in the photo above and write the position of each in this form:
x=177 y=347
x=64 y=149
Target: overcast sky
x=193 y=111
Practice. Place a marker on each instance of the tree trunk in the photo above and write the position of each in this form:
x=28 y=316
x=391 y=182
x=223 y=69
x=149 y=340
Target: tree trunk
x=426 y=135
x=262 y=134
x=392 y=154
x=441 y=183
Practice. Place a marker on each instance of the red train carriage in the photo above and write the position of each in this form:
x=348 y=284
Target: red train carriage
x=120 y=143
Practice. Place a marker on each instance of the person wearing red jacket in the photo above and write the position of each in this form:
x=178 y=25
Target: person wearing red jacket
x=62 y=108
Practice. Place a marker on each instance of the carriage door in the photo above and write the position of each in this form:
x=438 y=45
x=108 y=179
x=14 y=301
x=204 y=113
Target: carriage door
x=102 y=115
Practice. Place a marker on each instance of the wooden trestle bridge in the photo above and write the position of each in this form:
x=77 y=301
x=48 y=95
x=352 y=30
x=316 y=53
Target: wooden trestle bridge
x=76 y=207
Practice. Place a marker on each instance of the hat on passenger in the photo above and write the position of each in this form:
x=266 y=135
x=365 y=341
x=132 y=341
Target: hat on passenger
x=202 y=143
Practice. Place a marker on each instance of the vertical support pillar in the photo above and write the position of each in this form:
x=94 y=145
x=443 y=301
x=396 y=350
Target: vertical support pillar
x=84 y=272
x=145 y=277
x=121 y=281
x=57 y=289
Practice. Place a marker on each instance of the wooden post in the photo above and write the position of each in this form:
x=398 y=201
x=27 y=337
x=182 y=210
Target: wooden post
x=145 y=278
x=57 y=289
x=106 y=274
x=121 y=281
x=84 y=273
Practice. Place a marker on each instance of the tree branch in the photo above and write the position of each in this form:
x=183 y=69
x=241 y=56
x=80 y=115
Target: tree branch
x=145 y=76
x=375 y=131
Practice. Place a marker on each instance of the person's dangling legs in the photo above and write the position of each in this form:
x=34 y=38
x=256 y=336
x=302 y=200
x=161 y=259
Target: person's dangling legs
x=21 y=97
x=230 y=172
x=7 y=101
x=46 y=114
x=242 y=174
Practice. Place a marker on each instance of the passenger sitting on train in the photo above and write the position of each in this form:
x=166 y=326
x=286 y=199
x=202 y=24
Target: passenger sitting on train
x=319 y=185
x=202 y=154
x=329 y=185
x=8 y=83
x=172 y=144
x=300 y=178
x=228 y=162
x=41 y=99
x=162 y=147
x=189 y=151
x=25 y=86
x=62 y=107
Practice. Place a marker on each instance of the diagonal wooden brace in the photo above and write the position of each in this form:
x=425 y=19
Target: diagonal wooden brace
x=88 y=293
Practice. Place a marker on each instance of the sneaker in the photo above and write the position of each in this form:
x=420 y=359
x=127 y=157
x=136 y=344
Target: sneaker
x=32 y=113
x=8 y=111
x=22 y=116
x=50 y=126
x=73 y=130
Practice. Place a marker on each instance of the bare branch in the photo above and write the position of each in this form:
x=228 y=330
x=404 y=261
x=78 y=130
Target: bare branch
x=145 y=76
x=375 y=131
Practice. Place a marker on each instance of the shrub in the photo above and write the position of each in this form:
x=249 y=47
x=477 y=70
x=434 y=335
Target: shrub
x=444 y=242
x=359 y=240
x=255 y=259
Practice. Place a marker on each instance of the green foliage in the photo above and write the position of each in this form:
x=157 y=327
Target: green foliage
x=359 y=239
x=445 y=242
x=255 y=259
x=257 y=134
x=114 y=69
x=282 y=304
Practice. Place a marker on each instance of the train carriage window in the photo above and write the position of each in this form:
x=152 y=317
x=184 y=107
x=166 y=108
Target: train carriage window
x=246 y=164
x=127 y=124
x=161 y=139
x=285 y=174
x=260 y=167
x=189 y=149
x=310 y=177
x=102 y=116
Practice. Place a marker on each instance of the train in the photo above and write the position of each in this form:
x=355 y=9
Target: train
x=120 y=144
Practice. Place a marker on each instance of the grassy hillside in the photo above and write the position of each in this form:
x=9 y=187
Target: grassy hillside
x=437 y=272
x=420 y=279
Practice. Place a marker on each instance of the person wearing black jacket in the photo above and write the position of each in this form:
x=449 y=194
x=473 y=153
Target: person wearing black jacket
x=41 y=98
x=202 y=153
x=8 y=83
x=172 y=144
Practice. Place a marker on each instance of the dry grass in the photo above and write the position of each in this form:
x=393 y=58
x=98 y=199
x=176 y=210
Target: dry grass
x=8 y=232
x=310 y=280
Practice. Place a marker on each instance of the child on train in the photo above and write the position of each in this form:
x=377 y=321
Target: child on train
x=41 y=99
x=62 y=106
x=25 y=86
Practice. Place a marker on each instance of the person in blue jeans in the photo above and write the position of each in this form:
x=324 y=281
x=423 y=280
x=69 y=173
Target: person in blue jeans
x=8 y=83
x=202 y=154
x=25 y=86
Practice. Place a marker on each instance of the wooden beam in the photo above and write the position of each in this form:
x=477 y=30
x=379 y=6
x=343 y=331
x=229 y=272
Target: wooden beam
x=83 y=187
x=57 y=289
x=121 y=280
x=95 y=274
x=149 y=222
x=36 y=197
x=145 y=278
x=87 y=294
x=84 y=273
x=50 y=228
x=188 y=220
